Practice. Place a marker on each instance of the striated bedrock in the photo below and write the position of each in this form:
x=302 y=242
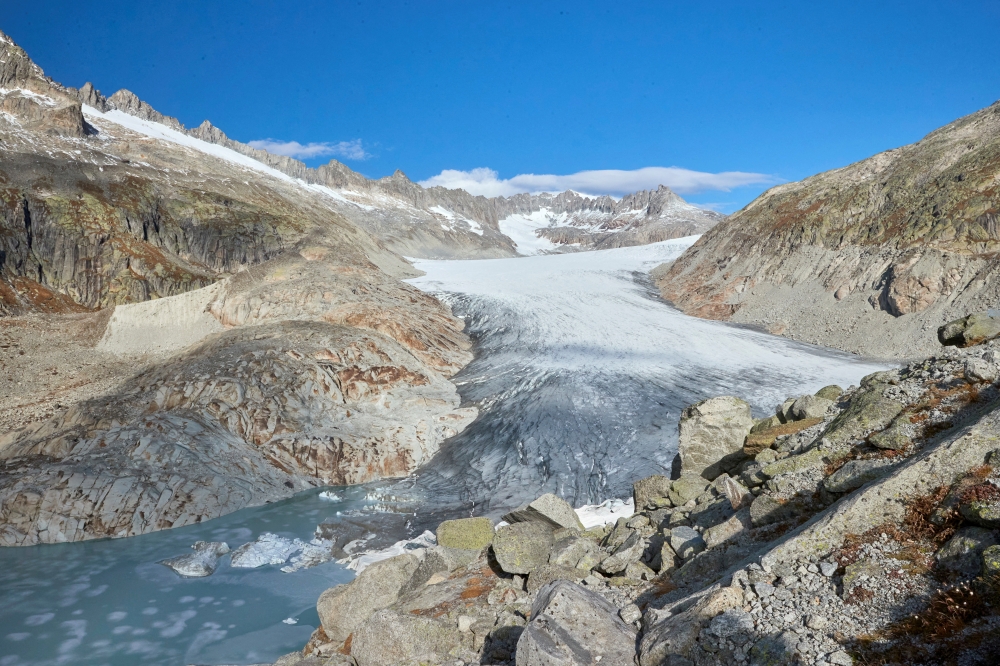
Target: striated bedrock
x=871 y=258
x=314 y=373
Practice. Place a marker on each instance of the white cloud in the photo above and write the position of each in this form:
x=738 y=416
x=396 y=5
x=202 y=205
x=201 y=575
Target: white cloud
x=350 y=150
x=487 y=182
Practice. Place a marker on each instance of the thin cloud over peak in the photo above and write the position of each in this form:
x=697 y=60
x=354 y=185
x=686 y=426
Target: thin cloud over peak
x=349 y=150
x=486 y=181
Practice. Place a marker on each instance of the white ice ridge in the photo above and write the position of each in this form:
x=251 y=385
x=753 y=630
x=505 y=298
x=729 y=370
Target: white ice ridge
x=595 y=515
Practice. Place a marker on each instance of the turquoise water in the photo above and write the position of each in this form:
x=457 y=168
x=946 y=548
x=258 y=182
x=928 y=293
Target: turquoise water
x=109 y=602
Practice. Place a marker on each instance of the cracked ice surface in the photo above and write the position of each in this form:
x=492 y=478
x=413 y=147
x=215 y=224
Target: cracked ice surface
x=581 y=372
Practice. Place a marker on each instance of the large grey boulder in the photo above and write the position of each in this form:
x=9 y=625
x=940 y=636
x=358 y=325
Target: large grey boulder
x=968 y=331
x=572 y=626
x=576 y=551
x=202 y=562
x=388 y=638
x=624 y=555
x=963 y=553
x=465 y=533
x=549 y=509
x=810 y=407
x=523 y=547
x=686 y=542
x=644 y=491
x=711 y=434
x=670 y=640
x=343 y=608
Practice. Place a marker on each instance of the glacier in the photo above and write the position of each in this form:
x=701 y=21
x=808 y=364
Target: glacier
x=580 y=374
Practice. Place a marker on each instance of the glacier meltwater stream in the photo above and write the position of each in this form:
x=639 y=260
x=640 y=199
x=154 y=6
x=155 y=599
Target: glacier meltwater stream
x=580 y=375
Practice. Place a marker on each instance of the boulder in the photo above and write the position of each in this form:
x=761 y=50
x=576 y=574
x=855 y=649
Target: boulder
x=575 y=551
x=648 y=489
x=979 y=370
x=734 y=491
x=572 y=626
x=729 y=529
x=868 y=411
x=766 y=424
x=676 y=634
x=687 y=488
x=784 y=410
x=686 y=542
x=343 y=608
x=623 y=555
x=711 y=435
x=549 y=509
x=831 y=392
x=810 y=407
x=388 y=638
x=523 y=547
x=465 y=533
x=981 y=506
x=542 y=576
x=963 y=553
x=618 y=535
x=968 y=331
x=202 y=562
x=856 y=473
x=991 y=562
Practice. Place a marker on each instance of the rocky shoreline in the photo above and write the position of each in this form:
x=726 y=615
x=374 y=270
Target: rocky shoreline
x=853 y=526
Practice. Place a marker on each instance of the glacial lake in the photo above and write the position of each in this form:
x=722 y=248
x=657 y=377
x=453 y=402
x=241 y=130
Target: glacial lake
x=580 y=375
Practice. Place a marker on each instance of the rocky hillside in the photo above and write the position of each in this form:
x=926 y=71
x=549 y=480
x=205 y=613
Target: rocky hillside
x=573 y=221
x=851 y=527
x=260 y=342
x=870 y=258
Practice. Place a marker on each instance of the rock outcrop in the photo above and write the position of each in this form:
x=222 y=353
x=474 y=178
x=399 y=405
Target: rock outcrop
x=870 y=258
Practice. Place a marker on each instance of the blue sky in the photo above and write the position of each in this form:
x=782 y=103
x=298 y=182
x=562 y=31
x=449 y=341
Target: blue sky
x=484 y=93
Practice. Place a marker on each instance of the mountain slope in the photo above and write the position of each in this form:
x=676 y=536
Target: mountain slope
x=871 y=258
x=261 y=342
x=443 y=223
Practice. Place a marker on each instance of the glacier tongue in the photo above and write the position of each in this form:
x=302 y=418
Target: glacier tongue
x=581 y=372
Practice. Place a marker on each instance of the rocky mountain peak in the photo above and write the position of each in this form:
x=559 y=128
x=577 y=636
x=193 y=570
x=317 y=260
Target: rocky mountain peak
x=128 y=102
x=16 y=68
x=92 y=97
x=209 y=132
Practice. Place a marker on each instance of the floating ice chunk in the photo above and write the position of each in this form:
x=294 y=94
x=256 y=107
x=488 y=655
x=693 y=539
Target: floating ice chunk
x=333 y=497
x=267 y=549
x=201 y=562
x=360 y=562
x=315 y=552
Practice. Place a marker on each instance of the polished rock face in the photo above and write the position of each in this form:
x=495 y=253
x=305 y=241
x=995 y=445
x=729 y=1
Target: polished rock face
x=871 y=258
